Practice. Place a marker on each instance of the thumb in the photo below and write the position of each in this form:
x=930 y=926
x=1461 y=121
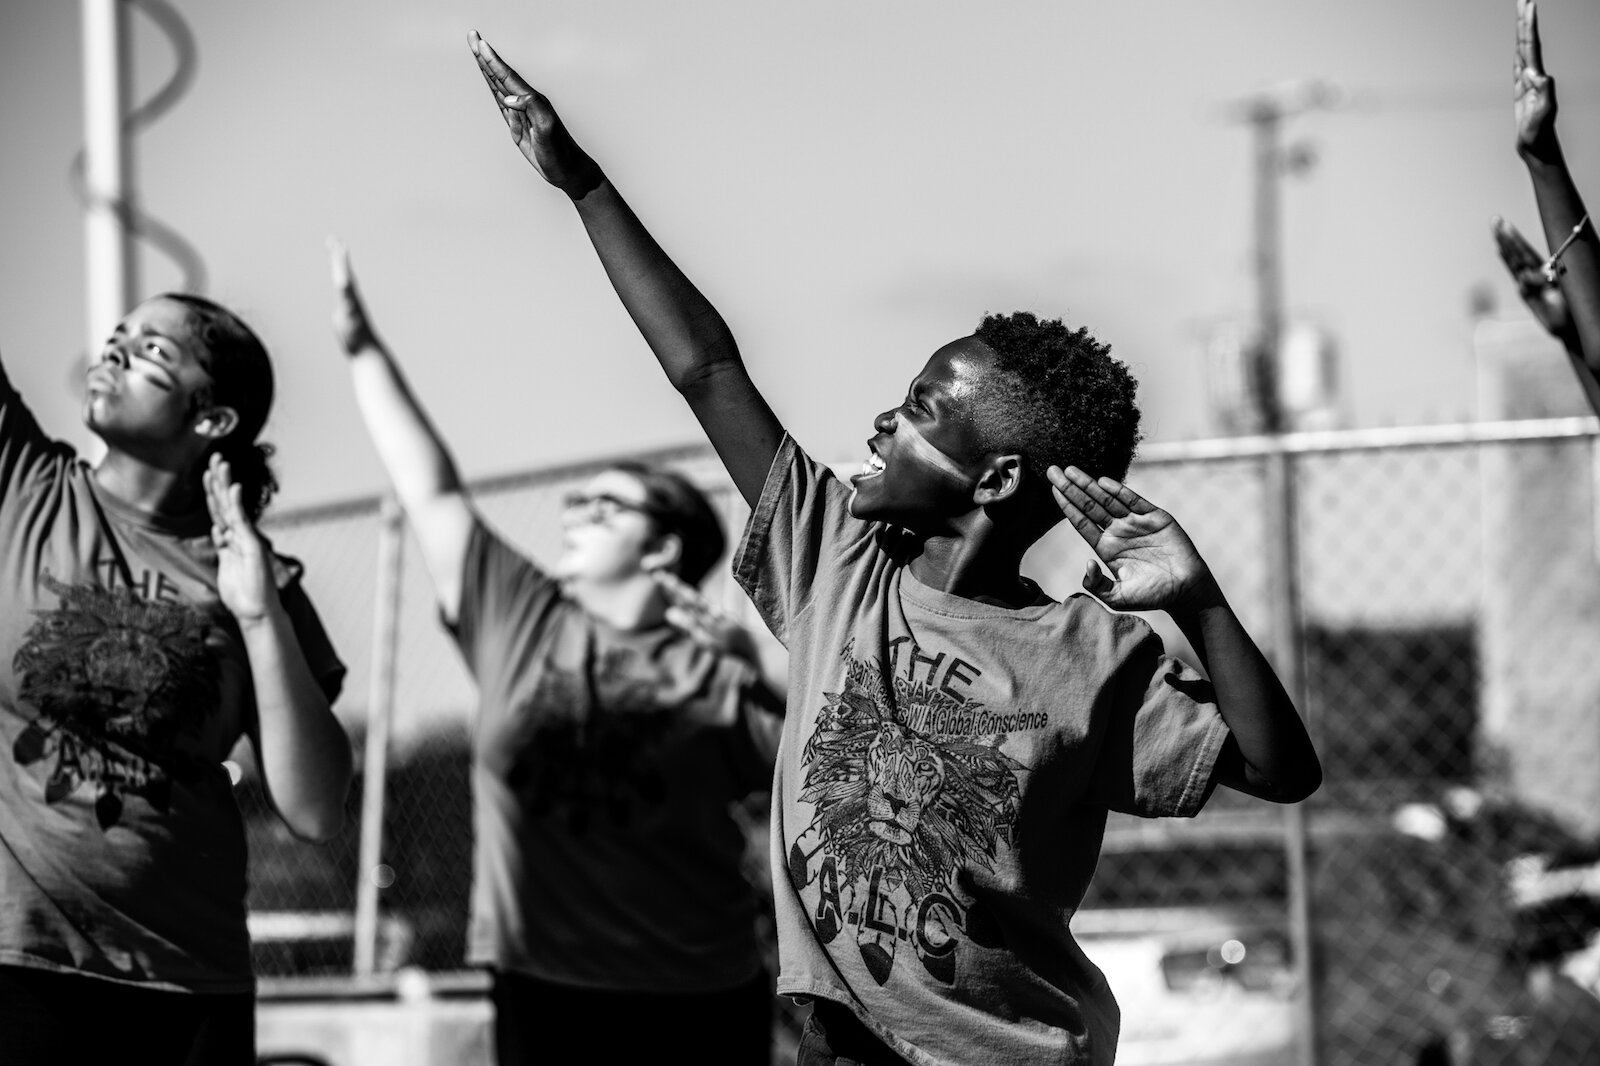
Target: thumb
x=1096 y=582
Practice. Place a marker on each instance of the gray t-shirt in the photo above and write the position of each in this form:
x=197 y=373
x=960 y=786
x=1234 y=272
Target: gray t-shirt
x=943 y=781
x=605 y=764
x=124 y=684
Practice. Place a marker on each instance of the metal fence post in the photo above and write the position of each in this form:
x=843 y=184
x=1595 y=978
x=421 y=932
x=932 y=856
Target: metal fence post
x=1283 y=581
x=380 y=709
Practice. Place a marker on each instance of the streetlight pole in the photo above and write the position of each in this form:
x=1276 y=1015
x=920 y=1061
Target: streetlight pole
x=1266 y=113
x=108 y=246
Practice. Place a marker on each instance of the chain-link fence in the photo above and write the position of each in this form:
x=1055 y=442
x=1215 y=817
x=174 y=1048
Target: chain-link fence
x=1434 y=594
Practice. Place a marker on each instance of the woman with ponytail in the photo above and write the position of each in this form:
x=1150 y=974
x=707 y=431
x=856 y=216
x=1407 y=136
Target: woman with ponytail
x=147 y=626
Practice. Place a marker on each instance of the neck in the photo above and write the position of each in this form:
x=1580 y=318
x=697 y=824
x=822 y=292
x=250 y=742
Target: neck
x=149 y=486
x=632 y=603
x=981 y=563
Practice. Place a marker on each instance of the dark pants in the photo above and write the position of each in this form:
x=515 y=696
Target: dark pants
x=50 y=1018
x=834 y=1036
x=537 y=1023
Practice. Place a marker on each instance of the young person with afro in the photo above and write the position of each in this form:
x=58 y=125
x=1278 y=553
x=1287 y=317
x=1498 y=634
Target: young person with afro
x=954 y=737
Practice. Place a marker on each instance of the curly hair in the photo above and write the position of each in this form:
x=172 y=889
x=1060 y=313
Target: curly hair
x=1058 y=397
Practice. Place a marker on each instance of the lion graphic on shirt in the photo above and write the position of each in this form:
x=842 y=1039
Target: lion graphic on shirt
x=917 y=805
x=120 y=684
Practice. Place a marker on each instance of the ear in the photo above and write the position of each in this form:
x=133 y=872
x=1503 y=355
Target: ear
x=664 y=554
x=216 y=422
x=1000 y=480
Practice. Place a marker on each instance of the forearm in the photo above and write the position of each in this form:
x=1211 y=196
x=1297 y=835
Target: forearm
x=683 y=329
x=687 y=335
x=1560 y=210
x=304 y=752
x=412 y=452
x=1280 y=762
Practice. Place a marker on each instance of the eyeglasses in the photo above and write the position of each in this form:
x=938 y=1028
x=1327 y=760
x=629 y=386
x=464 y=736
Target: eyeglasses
x=600 y=507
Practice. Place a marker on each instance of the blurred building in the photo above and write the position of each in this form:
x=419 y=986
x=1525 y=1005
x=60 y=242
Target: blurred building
x=1540 y=625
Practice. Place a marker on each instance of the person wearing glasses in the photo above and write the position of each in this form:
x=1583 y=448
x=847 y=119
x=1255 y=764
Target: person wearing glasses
x=620 y=719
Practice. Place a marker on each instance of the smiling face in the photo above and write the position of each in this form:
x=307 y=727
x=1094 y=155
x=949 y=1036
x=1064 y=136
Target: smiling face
x=607 y=533
x=147 y=389
x=925 y=459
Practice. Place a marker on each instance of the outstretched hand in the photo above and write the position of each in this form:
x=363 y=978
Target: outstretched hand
x=1535 y=91
x=1153 y=563
x=689 y=610
x=350 y=322
x=534 y=124
x=1538 y=289
x=244 y=576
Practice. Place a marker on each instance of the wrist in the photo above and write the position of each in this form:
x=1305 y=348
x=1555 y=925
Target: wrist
x=362 y=343
x=1543 y=153
x=585 y=180
x=265 y=620
x=1201 y=595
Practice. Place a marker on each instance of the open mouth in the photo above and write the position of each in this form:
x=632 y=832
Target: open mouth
x=99 y=381
x=872 y=467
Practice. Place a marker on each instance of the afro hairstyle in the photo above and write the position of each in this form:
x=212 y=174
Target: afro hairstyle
x=1057 y=397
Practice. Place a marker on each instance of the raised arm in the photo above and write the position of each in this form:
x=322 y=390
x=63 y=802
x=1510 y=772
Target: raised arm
x=687 y=335
x=1155 y=566
x=419 y=466
x=1563 y=291
x=304 y=752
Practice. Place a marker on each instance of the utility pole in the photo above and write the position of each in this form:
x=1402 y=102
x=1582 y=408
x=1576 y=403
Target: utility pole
x=108 y=246
x=1266 y=113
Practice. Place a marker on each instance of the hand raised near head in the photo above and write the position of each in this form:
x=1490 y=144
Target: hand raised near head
x=689 y=610
x=244 y=576
x=534 y=124
x=1153 y=563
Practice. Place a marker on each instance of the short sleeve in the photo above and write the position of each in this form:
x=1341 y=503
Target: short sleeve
x=315 y=643
x=1162 y=735
x=802 y=518
x=504 y=597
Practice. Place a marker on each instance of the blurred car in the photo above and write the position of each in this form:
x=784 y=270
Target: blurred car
x=1203 y=986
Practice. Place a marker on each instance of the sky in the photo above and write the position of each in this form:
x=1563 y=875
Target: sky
x=852 y=184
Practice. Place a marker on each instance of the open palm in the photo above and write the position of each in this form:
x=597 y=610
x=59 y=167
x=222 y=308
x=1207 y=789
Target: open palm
x=535 y=127
x=244 y=576
x=1534 y=100
x=1535 y=285
x=1153 y=563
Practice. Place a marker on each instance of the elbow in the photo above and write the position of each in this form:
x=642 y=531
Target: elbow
x=707 y=374
x=320 y=816
x=1301 y=785
x=318 y=826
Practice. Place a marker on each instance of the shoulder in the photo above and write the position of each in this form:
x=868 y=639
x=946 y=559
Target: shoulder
x=1111 y=637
